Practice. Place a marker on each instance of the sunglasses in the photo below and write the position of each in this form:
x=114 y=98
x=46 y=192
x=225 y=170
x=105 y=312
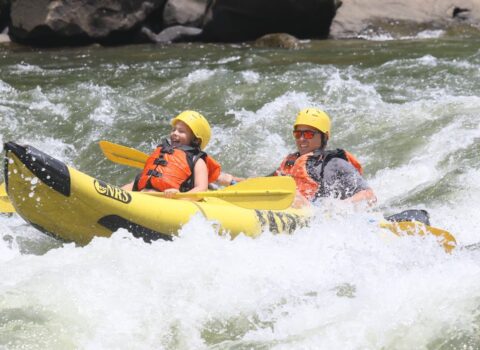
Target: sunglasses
x=307 y=134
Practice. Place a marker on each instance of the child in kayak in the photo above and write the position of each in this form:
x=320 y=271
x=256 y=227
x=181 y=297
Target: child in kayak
x=180 y=164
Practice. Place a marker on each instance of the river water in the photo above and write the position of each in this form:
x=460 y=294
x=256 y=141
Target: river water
x=408 y=109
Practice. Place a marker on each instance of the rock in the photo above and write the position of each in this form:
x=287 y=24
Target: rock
x=246 y=20
x=185 y=12
x=4 y=14
x=57 y=22
x=74 y=22
x=355 y=17
x=173 y=34
x=277 y=40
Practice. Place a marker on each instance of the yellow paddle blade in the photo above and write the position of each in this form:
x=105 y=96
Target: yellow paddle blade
x=417 y=228
x=3 y=190
x=267 y=193
x=123 y=155
x=5 y=205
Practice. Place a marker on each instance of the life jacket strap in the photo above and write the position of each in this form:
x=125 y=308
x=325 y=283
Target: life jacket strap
x=160 y=161
x=166 y=147
x=154 y=173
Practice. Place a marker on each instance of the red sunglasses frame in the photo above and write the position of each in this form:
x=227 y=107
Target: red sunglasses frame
x=307 y=134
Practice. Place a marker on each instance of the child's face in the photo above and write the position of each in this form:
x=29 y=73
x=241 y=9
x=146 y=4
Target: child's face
x=181 y=134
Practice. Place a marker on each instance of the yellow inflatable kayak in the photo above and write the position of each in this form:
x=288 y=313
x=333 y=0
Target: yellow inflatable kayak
x=70 y=205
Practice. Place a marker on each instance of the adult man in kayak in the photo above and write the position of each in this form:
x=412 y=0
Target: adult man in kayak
x=319 y=172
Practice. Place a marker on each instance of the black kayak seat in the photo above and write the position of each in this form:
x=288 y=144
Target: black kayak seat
x=419 y=215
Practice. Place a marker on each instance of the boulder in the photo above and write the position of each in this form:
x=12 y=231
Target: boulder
x=69 y=22
x=246 y=20
x=76 y=22
x=356 y=17
x=4 y=14
x=188 y=13
x=277 y=40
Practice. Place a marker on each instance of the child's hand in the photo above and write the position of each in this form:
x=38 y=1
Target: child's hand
x=170 y=193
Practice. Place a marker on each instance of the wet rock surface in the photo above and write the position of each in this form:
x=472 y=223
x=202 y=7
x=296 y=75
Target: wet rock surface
x=4 y=14
x=74 y=22
x=357 y=17
x=45 y=22
x=277 y=40
x=116 y=22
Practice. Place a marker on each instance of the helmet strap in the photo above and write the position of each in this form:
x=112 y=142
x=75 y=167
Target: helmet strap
x=324 y=139
x=196 y=142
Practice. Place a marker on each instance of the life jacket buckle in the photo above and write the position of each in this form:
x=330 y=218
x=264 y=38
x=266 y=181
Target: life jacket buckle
x=160 y=161
x=154 y=173
x=168 y=149
x=290 y=163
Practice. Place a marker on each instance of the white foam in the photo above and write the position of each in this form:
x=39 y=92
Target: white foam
x=460 y=215
x=5 y=87
x=229 y=59
x=23 y=68
x=199 y=75
x=430 y=34
x=104 y=113
x=43 y=104
x=372 y=35
x=251 y=77
x=313 y=287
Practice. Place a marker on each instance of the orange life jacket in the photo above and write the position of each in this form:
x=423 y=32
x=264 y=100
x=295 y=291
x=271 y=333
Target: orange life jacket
x=172 y=167
x=295 y=165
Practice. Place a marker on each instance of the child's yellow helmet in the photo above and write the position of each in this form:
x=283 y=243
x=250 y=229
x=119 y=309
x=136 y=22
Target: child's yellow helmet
x=197 y=123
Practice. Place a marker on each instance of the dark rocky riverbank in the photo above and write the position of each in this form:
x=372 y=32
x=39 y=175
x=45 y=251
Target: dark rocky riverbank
x=116 y=22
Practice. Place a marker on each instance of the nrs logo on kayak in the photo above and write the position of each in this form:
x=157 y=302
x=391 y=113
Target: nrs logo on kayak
x=112 y=191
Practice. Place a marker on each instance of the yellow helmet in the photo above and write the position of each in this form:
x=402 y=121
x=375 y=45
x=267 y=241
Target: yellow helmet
x=197 y=123
x=315 y=118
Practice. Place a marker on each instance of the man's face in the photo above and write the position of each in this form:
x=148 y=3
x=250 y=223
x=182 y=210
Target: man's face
x=307 y=138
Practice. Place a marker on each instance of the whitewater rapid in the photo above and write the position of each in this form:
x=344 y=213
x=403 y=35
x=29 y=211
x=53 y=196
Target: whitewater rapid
x=409 y=110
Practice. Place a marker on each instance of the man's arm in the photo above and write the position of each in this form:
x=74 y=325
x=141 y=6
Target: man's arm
x=343 y=181
x=363 y=196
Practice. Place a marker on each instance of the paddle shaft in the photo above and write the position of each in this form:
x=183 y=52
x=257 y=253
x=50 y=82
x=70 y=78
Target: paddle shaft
x=267 y=193
x=220 y=193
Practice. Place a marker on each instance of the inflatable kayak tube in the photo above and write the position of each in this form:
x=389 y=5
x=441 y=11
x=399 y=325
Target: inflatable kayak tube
x=75 y=207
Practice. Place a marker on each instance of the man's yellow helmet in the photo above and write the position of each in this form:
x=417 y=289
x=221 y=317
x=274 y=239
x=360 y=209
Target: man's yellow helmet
x=197 y=123
x=315 y=118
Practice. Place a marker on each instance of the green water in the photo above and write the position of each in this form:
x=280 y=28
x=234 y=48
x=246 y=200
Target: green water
x=408 y=109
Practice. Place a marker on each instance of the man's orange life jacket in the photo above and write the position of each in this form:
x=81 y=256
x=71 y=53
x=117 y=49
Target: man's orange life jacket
x=295 y=165
x=172 y=167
